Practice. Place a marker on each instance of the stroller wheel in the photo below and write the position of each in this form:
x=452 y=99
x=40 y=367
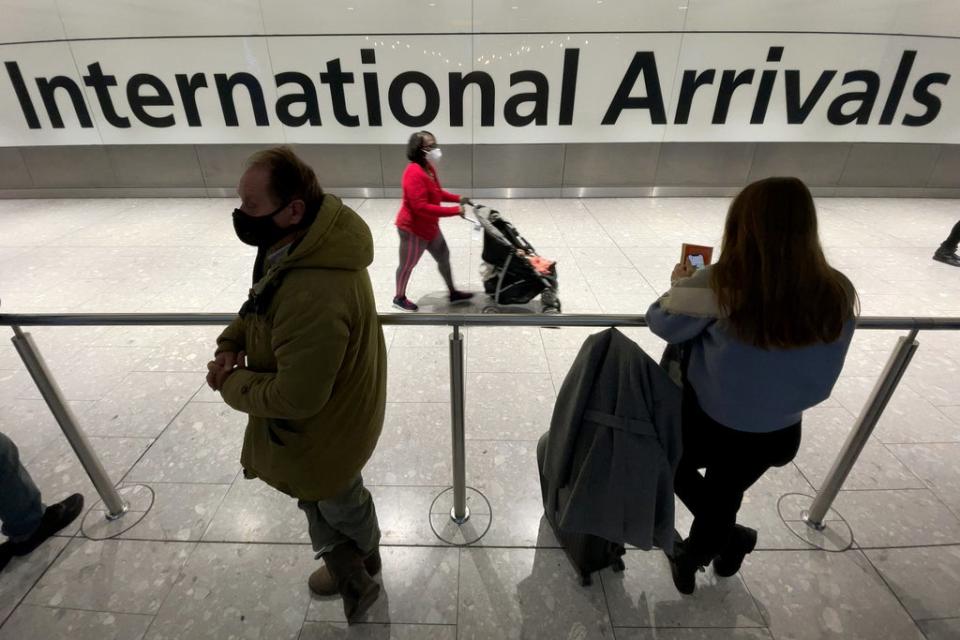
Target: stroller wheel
x=490 y=309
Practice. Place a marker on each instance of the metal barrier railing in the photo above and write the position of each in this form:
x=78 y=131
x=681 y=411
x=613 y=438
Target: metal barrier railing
x=883 y=390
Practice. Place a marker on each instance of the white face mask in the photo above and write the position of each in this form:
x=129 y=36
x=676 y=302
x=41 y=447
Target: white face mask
x=434 y=155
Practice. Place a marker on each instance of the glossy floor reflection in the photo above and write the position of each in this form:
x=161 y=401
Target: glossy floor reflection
x=218 y=556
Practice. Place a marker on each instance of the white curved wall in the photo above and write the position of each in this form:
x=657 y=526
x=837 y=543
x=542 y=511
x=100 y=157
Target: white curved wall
x=852 y=73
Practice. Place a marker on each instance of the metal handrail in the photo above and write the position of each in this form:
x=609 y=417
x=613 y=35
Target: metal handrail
x=866 y=421
x=892 y=323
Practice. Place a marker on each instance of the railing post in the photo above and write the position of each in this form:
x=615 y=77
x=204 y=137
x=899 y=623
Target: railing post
x=863 y=428
x=460 y=512
x=51 y=393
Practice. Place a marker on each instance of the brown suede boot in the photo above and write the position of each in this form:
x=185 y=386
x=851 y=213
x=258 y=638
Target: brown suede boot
x=355 y=586
x=322 y=583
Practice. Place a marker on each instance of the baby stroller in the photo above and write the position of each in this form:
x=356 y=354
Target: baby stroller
x=512 y=271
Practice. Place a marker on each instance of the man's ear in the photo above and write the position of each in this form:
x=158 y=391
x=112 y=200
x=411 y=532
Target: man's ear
x=297 y=209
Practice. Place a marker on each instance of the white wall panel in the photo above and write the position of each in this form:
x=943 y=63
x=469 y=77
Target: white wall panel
x=28 y=20
x=501 y=41
x=137 y=18
x=366 y=16
x=531 y=16
x=928 y=17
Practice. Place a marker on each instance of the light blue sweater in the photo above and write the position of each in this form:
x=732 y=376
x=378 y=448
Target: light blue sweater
x=739 y=385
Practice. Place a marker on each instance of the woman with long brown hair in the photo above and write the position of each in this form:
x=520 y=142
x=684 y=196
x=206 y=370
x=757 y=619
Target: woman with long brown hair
x=766 y=330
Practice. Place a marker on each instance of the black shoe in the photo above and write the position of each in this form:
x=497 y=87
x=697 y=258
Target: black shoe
x=683 y=569
x=56 y=517
x=459 y=296
x=947 y=257
x=404 y=304
x=742 y=541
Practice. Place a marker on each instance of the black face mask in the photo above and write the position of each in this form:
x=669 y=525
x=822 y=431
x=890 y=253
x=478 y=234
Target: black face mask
x=258 y=231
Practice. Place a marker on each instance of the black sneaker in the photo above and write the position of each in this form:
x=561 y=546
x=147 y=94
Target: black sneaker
x=405 y=304
x=459 y=296
x=742 y=541
x=56 y=517
x=947 y=257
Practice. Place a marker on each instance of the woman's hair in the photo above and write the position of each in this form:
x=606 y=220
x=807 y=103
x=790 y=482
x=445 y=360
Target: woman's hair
x=290 y=178
x=772 y=280
x=415 y=147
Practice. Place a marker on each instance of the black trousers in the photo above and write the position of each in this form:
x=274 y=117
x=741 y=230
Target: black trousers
x=733 y=460
x=950 y=244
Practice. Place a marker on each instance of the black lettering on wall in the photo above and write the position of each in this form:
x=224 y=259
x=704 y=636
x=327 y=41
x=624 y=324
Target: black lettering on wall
x=336 y=78
x=866 y=98
x=688 y=88
x=539 y=97
x=307 y=96
x=188 y=95
x=921 y=93
x=101 y=85
x=23 y=96
x=643 y=63
x=432 y=95
x=48 y=88
x=568 y=89
x=458 y=85
x=899 y=84
x=729 y=82
x=225 y=87
x=765 y=91
x=139 y=102
x=371 y=89
x=797 y=110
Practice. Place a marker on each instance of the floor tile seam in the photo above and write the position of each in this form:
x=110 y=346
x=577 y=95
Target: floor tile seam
x=886 y=583
x=606 y=601
x=937 y=619
x=926 y=486
x=220 y=504
x=181 y=573
x=459 y=590
x=919 y=443
x=33 y=586
x=518 y=440
x=86 y=610
x=866 y=490
x=758 y=608
x=152 y=482
x=153 y=444
x=668 y=627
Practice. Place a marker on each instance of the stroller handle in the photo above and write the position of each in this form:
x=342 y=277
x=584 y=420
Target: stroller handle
x=473 y=221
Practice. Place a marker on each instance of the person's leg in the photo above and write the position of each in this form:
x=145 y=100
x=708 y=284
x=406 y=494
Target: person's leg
x=688 y=484
x=345 y=532
x=353 y=515
x=441 y=253
x=21 y=510
x=411 y=248
x=741 y=458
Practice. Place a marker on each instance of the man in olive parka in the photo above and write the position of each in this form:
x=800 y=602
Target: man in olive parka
x=305 y=359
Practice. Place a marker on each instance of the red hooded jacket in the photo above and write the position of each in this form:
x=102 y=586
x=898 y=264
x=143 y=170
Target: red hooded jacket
x=421 y=211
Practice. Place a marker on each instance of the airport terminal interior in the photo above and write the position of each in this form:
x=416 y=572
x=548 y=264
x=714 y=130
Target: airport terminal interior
x=613 y=135
x=218 y=556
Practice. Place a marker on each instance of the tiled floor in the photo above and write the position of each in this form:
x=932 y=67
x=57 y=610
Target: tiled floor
x=221 y=557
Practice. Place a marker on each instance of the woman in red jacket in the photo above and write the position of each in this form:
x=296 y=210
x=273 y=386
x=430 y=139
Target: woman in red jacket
x=419 y=218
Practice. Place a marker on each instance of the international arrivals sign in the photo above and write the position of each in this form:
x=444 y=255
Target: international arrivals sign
x=512 y=88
